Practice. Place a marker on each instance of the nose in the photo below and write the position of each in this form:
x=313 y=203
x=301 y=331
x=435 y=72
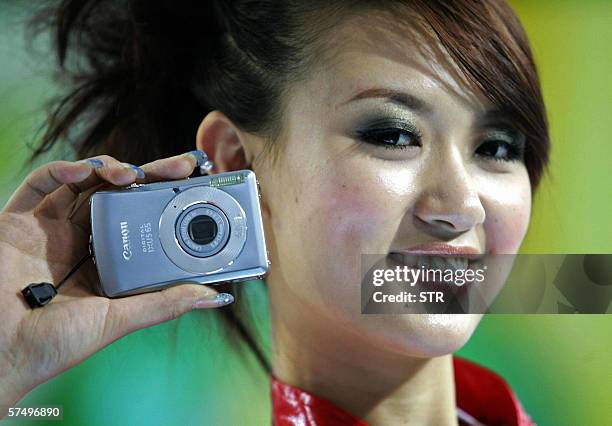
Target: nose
x=449 y=202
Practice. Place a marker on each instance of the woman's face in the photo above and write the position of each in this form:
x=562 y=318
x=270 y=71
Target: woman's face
x=340 y=190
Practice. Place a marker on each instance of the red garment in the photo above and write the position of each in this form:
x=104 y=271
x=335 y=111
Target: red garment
x=480 y=393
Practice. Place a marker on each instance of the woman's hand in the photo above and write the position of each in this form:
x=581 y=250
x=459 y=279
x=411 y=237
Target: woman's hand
x=44 y=231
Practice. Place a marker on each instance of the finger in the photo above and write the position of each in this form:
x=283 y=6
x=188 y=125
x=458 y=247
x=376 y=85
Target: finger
x=177 y=167
x=135 y=312
x=104 y=169
x=43 y=181
x=110 y=170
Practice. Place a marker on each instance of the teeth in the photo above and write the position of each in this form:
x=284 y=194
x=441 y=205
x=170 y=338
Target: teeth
x=431 y=262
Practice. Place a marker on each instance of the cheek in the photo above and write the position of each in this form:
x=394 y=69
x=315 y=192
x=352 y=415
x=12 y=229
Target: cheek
x=339 y=215
x=507 y=215
x=347 y=223
x=358 y=213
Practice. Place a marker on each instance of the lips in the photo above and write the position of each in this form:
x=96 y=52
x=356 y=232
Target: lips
x=443 y=249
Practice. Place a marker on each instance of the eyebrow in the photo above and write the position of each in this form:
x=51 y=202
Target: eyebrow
x=497 y=117
x=490 y=117
x=400 y=98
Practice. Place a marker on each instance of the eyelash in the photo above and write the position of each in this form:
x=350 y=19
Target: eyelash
x=514 y=149
x=374 y=135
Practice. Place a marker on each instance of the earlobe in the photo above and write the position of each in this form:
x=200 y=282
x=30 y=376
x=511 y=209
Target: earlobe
x=222 y=142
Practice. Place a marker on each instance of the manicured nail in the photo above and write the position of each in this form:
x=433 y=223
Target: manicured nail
x=139 y=172
x=200 y=156
x=95 y=163
x=221 y=299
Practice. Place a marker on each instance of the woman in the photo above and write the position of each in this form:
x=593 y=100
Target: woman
x=373 y=127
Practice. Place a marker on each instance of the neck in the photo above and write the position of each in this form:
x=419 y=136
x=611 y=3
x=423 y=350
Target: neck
x=372 y=384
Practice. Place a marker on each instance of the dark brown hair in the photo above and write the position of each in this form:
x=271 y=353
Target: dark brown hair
x=141 y=75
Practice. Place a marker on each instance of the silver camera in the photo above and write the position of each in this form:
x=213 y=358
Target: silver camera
x=203 y=230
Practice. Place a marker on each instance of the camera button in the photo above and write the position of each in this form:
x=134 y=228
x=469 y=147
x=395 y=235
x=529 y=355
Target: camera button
x=91 y=249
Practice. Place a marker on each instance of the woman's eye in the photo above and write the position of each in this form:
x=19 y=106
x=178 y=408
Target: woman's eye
x=391 y=138
x=499 y=150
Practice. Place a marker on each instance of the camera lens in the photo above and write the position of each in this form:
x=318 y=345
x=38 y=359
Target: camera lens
x=202 y=229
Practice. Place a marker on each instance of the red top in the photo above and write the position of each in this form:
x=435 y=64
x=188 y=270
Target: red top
x=483 y=398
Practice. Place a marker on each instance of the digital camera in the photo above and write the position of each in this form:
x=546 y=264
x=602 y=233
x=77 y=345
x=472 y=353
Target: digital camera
x=204 y=230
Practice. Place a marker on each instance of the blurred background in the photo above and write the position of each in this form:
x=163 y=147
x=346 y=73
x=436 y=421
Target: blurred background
x=186 y=372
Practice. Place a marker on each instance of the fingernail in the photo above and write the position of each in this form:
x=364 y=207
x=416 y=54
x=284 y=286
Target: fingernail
x=139 y=172
x=200 y=156
x=221 y=299
x=95 y=163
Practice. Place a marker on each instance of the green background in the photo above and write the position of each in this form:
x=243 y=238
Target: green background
x=184 y=372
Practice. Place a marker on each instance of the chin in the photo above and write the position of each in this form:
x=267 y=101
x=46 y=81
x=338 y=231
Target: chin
x=423 y=335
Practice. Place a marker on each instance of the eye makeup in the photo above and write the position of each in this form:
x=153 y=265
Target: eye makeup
x=390 y=133
x=388 y=127
x=394 y=129
x=501 y=144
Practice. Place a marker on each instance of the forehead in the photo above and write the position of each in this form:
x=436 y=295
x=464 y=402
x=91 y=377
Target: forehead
x=394 y=49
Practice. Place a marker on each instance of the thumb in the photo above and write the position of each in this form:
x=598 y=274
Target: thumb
x=132 y=313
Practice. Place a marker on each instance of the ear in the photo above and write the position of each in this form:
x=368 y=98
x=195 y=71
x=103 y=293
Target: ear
x=223 y=143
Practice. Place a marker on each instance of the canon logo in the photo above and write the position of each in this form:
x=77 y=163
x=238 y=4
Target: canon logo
x=125 y=240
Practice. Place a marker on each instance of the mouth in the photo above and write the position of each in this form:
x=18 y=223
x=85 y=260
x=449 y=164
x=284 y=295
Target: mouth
x=438 y=256
x=437 y=265
x=453 y=274
x=420 y=261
